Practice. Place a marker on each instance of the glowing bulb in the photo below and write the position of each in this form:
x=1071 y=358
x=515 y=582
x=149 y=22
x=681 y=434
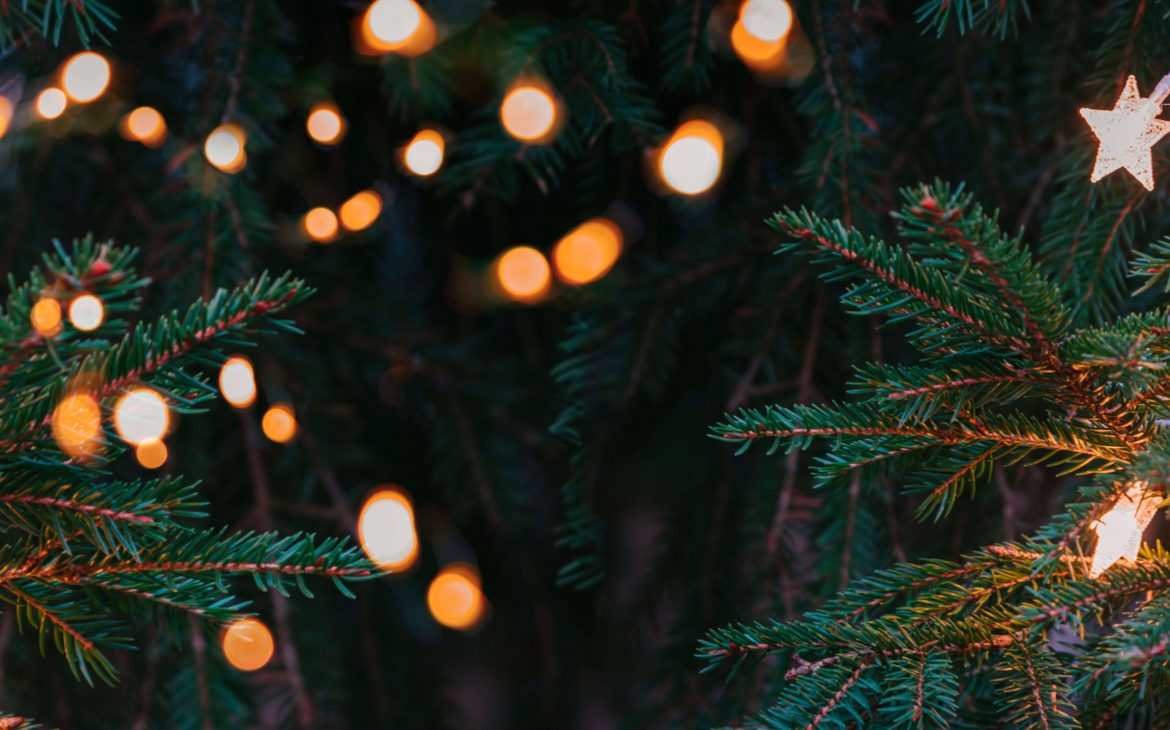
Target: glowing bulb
x=7 y=109
x=588 y=252
x=51 y=103
x=224 y=148
x=325 y=124
x=320 y=224
x=279 y=423
x=237 y=382
x=424 y=153
x=85 y=76
x=151 y=454
x=386 y=530
x=144 y=125
x=767 y=20
x=248 y=644
x=1126 y=134
x=1119 y=531
x=86 y=312
x=759 y=54
x=523 y=274
x=360 y=211
x=398 y=26
x=455 y=598
x=46 y=316
x=141 y=416
x=528 y=113
x=77 y=425
x=692 y=159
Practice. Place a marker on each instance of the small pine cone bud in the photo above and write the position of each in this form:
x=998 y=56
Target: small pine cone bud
x=101 y=267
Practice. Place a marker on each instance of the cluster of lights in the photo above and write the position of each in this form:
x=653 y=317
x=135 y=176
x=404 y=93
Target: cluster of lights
x=395 y=26
x=584 y=255
x=358 y=213
x=86 y=313
x=141 y=418
x=237 y=384
x=83 y=78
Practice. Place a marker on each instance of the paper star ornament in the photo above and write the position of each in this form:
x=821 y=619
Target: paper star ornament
x=1126 y=133
x=1119 y=531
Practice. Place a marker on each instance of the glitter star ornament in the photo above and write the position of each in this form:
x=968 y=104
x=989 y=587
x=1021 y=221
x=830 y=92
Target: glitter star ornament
x=1126 y=134
x=1119 y=531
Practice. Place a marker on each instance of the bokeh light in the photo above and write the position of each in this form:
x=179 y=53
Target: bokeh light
x=279 y=423
x=320 y=224
x=46 y=316
x=151 y=454
x=588 y=252
x=360 y=211
x=51 y=103
x=85 y=76
x=523 y=274
x=529 y=113
x=396 y=26
x=146 y=125
x=247 y=644
x=7 y=109
x=224 y=148
x=455 y=598
x=423 y=155
x=141 y=416
x=766 y=20
x=77 y=424
x=86 y=312
x=237 y=382
x=691 y=160
x=325 y=124
x=386 y=529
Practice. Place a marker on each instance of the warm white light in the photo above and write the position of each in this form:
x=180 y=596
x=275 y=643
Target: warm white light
x=424 y=153
x=692 y=159
x=393 y=21
x=146 y=125
x=1119 y=531
x=528 y=113
x=523 y=274
x=224 y=148
x=85 y=76
x=1126 y=134
x=51 y=103
x=86 y=312
x=767 y=20
x=325 y=124
x=237 y=382
x=320 y=224
x=386 y=530
x=141 y=416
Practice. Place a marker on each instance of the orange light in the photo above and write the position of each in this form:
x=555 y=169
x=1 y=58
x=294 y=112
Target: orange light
x=523 y=274
x=758 y=54
x=325 y=124
x=46 y=316
x=7 y=109
x=279 y=423
x=141 y=416
x=360 y=211
x=423 y=155
x=237 y=382
x=144 y=125
x=386 y=530
x=152 y=454
x=691 y=160
x=529 y=113
x=320 y=224
x=85 y=76
x=455 y=598
x=77 y=425
x=588 y=252
x=224 y=148
x=248 y=644
x=86 y=312
x=395 y=26
x=51 y=103
x=766 y=20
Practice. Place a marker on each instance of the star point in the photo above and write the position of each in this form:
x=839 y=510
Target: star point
x=1126 y=135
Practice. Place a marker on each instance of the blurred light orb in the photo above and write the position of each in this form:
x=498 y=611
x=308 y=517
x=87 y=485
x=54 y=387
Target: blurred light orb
x=325 y=124
x=224 y=148
x=523 y=274
x=386 y=530
x=86 y=312
x=320 y=224
x=146 y=125
x=455 y=598
x=692 y=159
x=85 y=76
x=46 y=316
x=767 y=20
x=7 y=109
x=51 y=103
x=755 y=53
x=528 y=113
x=279 y=423
x=360 y=211
x=588 y=252
x=77 y=424
x=237 y=382
x=394 y=21
x=424 y=153
x=248 y=644
x=141 y=416
x=152 y=454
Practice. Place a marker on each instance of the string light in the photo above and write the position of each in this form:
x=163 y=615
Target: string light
x=237 y=382
x=455 y=598
x=224 y=148
x=45 y=316
x=146 y=125
x=1128 y=131
x=1119 y=531
x=279 y=423
x=360 y=211
x=86 y=312
x=320 y=224
x=386 y=529
x=141 y=416
x=77 y=425
x=588 y=252
x=247 y=644
x=7 y=109
x=51 y=103
x=85 y=76
x=151 y=454
x=396 y=26
x=529 y=113
x=691 y=160
x=523 y=274
x=325 y=124
x=766 y=20
x=423 y=155
x=763 y=54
